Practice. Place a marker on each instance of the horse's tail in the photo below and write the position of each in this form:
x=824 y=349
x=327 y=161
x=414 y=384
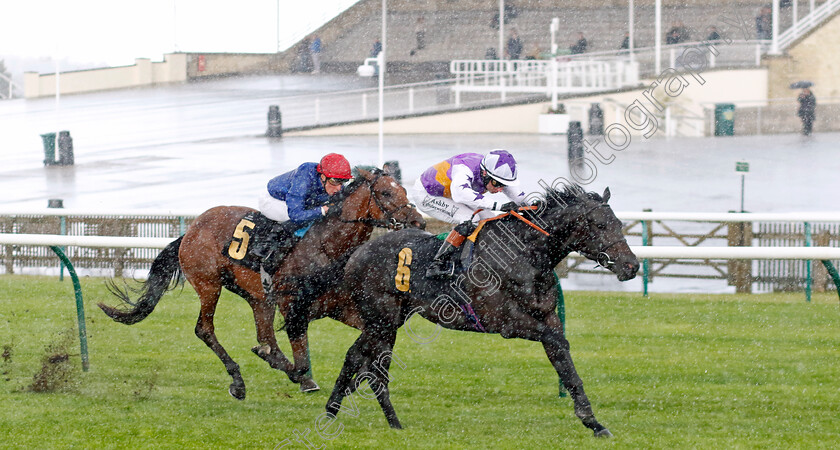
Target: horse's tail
x=307 y=288
x=163 y=276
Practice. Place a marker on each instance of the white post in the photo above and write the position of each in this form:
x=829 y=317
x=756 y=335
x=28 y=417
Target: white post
x=774 y=47
x=411 y=99
x=657 y=47
x=501 y=54
x=175 y=25
x=57 y=102
x=364 y=105
x=555 y=25
x=382 y=71
x=795 y=13
x=278 y=26
x=631 y=21
x=812 y=7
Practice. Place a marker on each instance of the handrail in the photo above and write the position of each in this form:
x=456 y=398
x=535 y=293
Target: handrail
x=808 y=22
x=807 y=216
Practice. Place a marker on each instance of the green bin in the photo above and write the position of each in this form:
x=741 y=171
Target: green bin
x=724 y=119
x=49 y=148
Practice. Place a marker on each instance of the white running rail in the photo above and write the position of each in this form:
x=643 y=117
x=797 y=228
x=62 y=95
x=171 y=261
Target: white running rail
x=666 y=252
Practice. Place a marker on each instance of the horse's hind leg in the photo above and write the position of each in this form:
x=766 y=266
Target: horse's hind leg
x=205 y=330
x=268 y=349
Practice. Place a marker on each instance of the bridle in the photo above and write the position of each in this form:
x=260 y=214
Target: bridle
x=389 y=222
x=601 y=257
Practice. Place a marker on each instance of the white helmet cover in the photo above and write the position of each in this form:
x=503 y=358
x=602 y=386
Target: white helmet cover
x=501 y=166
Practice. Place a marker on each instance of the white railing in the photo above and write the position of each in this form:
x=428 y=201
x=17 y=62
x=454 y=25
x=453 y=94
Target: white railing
x=12 y=87
x=642 y=252
x=600 y=71
x=803 y=25
x=535 y=76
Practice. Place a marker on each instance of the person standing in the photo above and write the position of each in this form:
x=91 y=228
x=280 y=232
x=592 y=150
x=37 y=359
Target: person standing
x=764 y=24
x=625 y=43
x=514 y=45
x=581 y=44
x=315 y=50
x=807 y=110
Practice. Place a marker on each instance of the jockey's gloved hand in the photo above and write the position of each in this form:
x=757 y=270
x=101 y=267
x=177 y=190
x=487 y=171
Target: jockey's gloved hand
x=509 y=206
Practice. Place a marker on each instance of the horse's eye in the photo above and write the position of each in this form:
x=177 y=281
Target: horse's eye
x=386 y=194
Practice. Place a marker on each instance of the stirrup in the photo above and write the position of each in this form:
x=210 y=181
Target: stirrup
x=441 y=269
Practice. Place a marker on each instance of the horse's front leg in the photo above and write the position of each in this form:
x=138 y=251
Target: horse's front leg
x=557 y=348
x=549 y=331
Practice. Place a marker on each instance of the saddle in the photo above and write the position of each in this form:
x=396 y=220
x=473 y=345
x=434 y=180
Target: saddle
x=253 y=228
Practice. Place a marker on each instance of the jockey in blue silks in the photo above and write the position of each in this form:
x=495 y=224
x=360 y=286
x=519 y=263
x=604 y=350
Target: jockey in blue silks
x=453 y=190
x=296 y=199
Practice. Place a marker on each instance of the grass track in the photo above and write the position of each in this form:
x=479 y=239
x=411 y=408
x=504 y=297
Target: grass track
x=672 y=371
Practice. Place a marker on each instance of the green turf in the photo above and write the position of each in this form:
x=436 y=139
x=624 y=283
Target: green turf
x=671 y=371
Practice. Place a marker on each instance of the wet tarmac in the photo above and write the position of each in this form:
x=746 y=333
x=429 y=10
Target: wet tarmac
x=172 y=149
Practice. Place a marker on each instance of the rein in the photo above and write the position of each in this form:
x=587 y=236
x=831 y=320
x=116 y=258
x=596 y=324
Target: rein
x=513 y=213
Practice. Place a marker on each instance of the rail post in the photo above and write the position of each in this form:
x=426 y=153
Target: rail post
x=80 y=306
x=808 y=280
x=740 y=272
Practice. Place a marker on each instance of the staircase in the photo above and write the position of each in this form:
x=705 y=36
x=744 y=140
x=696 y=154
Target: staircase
x=807 y=23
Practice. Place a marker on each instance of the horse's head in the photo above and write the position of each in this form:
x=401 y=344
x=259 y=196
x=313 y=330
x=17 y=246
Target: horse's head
x=592 y=229
x=388 y=204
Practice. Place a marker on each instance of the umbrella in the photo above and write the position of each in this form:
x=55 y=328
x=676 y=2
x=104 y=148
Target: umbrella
x=801 y=84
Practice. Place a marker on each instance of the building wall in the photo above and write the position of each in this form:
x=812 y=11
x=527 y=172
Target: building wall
x=815 y=57
x=143 y=73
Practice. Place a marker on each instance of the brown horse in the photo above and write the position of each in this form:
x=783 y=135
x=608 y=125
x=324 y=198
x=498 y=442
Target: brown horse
x=371 y=199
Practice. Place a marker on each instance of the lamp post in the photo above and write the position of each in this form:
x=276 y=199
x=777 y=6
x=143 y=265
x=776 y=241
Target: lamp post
x=555 y=26
x=381 y=63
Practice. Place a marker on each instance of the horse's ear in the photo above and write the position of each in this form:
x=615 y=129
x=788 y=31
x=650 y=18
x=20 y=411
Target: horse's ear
x=606 y=195
x=364 y=173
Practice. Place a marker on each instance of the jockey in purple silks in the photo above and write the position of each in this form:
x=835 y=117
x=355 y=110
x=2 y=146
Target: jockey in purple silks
x=452 y=191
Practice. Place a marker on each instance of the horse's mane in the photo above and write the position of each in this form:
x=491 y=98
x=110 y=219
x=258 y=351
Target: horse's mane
x=570 y=195
x=350 y=188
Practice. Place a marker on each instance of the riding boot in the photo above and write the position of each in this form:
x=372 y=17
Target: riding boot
x=272 y=251
x=442 y=265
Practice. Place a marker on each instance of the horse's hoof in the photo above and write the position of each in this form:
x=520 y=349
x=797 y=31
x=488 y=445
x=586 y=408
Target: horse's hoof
x=309 y=385
x=237 y=392
x=605 y=433
x=261 y=350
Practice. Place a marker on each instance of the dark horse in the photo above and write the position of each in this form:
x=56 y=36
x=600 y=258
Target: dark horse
x=371 y=199
x=509 y=288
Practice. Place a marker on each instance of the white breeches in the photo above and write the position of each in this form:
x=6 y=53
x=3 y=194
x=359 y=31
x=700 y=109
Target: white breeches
x=272 y=208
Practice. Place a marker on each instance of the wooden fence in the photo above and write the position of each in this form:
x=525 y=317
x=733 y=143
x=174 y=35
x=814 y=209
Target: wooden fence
x=652 y=229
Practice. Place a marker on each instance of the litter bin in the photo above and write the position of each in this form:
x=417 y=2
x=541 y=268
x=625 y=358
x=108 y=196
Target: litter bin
x=724 y=119
x=596 y=120
x=49 y=148
x=65 y=149
x=575 y=139
x=275 y=122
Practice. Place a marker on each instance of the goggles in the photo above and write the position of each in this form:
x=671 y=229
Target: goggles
x=336 y=181
x=496 y=183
